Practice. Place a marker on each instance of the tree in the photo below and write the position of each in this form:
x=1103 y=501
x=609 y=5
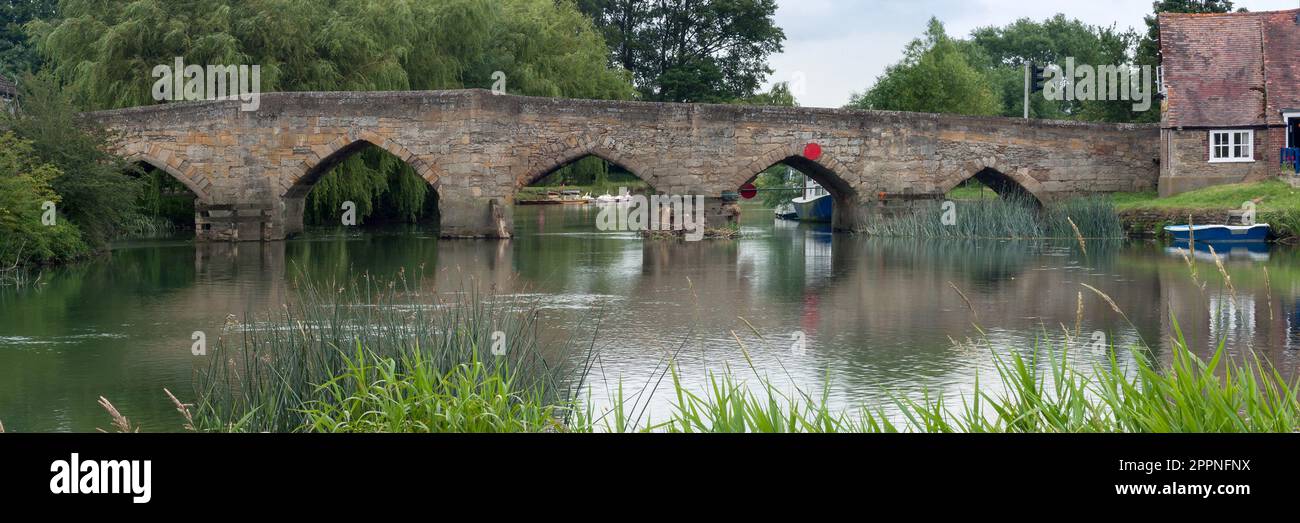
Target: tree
x=935 y=76
x=95 y=190
x=16 y=53
x=104 y=53
x=778 y=96
x=690 y=50
x=1003 y=51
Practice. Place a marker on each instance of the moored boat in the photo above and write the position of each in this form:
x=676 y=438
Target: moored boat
x=816 y=205
x=1220 y=233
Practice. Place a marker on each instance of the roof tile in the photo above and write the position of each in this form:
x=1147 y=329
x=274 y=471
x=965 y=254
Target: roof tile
x=1230 y=69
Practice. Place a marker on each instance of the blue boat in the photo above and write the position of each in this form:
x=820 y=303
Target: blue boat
x=1220 y=233
x=816 y=205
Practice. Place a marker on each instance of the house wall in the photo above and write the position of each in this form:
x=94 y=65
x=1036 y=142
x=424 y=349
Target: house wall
x=1186 y=162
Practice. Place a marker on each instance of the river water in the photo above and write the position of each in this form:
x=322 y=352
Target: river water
x=860 y=318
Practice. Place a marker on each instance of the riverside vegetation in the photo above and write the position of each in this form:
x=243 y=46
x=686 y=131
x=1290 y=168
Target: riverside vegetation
x=368 y=358
x=1009 y=217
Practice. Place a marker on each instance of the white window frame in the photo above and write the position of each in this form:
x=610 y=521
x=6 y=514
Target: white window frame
x=1231 y=144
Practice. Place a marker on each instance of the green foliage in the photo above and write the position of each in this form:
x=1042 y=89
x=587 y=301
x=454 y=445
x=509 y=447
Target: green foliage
x=97 y=193
x=690 y=51
x=935 y=76
x=779 y=177
x=778 y=96
x=165 y=203
x=1003 y=51
x=25 y=185
x=411 y=394
x=985 y=73
x=16 y=53
x=105 y=53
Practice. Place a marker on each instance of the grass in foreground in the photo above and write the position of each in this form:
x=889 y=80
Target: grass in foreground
x=1038 y=395
x=340 y=351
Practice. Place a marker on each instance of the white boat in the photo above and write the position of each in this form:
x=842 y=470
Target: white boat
x=816 y=205
x=623 y=197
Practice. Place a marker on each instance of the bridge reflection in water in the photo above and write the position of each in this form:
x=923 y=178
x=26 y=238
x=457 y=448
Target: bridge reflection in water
x=877 y=315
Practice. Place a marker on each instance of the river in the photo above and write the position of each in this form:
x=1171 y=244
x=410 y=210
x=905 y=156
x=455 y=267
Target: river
x=861 y=318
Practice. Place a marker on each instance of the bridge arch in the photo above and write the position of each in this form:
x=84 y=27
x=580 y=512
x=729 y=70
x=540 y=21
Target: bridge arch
x=549 y=163
x=825 y=170
x=1007 y=184
x=326 y=157
x=193 y=178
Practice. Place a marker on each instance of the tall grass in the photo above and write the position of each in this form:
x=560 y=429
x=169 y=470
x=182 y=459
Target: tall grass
x=1009 y=217
x=297 y=369
x=410 y=394
x=1040 y=393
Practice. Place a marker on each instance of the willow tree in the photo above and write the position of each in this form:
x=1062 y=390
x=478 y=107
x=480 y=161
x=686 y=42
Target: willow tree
x=104 y=52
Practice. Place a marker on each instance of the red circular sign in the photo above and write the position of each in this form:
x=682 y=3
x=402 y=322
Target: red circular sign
x=748 y=191
x=812 y=151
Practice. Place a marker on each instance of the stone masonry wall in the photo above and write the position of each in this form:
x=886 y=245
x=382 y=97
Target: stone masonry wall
x=476 y=149
x=1187 y=166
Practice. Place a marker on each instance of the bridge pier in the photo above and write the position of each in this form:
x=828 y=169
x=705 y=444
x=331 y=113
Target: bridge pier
x=237 y=222
x=474 y=216
x=293 y=214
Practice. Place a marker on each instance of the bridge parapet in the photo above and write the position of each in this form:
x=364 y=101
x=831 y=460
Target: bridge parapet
x=477 y=149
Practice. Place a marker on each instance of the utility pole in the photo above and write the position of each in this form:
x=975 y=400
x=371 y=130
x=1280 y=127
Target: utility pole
x=1026 y=90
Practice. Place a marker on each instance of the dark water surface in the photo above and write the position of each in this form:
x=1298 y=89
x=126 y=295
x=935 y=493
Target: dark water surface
x=876 y=316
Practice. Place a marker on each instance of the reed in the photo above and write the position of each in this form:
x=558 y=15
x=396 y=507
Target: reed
x=411 y=394
x=1009 y=217
x=281 y=373
x=1040 y=393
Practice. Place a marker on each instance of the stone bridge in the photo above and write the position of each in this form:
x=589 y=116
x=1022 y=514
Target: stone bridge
x=251 y=171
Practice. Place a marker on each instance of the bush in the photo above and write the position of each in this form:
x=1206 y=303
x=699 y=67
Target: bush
x=25 y=186
x=96 y=193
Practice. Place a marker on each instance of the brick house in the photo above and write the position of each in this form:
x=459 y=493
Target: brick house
x=1232 y=85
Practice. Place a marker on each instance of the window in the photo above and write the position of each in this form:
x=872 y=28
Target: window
x=1232 y=146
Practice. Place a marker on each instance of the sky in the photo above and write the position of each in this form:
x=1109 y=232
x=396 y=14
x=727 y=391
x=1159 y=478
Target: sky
x=837 y=47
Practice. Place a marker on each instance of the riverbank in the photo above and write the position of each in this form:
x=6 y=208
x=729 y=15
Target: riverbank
x=1277 y=203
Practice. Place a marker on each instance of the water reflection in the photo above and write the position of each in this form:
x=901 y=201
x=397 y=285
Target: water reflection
x=877 y=315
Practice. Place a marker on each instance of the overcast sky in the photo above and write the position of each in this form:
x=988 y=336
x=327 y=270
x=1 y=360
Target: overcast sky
x=841 y=46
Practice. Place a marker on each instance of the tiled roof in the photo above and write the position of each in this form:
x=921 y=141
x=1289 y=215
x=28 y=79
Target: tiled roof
x=7 y=88
x=1230 y=69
